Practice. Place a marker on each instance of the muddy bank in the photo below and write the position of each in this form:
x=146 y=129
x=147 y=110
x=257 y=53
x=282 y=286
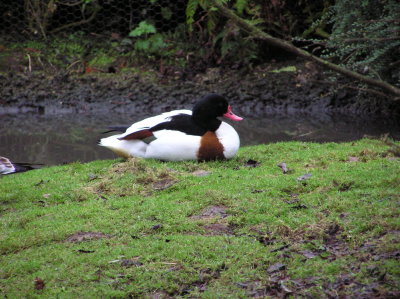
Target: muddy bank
x=292 y=86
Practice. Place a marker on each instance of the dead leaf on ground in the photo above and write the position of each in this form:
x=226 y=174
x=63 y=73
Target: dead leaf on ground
x=308 y=254
x=352 y=159
x=304 y=177
x=284 y=287
x=283 y=167
x=131 y=262
x=86 y=236
x=276 y=267
x=294 y=198
x=201 y=173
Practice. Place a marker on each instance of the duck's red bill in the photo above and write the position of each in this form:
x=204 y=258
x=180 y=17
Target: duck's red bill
x=231 y=115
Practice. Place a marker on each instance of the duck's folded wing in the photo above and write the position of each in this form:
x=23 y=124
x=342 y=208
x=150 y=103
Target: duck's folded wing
x=150 y=122
x=177 y=120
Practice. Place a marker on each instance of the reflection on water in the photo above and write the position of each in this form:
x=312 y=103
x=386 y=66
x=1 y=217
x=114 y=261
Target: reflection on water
x=53 y=140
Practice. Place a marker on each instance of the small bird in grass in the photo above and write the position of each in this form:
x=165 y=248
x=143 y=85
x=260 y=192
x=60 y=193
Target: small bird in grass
x=180 y=134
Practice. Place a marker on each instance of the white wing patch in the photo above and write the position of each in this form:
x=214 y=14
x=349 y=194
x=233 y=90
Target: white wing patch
x=154 y=120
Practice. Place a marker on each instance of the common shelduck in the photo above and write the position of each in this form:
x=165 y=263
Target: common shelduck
x=8 y=167
x=180 y=134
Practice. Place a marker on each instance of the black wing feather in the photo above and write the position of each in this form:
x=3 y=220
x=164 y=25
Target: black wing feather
x=181 y=122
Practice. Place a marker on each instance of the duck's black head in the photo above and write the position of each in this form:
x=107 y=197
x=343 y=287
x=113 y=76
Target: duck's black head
x=208 y=108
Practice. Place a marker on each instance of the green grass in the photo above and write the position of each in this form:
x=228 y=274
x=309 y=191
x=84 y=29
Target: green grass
x=338 y=231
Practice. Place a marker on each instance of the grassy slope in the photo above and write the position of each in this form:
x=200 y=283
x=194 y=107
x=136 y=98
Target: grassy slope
x=237 y=231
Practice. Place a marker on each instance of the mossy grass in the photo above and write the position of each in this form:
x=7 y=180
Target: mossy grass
x=224 y=229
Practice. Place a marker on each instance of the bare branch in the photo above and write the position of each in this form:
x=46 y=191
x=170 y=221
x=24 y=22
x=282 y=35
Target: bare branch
x=257 y=33
x=81 y=22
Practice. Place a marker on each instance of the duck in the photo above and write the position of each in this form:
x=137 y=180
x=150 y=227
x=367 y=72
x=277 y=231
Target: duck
x=9 y=167
x=180 y=135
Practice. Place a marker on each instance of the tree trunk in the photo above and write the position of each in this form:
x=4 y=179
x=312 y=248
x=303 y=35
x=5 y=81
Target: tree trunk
x=257 y=33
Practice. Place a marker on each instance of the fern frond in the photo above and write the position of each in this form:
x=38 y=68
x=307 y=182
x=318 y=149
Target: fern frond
x=191 y=9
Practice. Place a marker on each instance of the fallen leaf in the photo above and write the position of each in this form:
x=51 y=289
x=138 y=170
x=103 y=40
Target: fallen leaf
x=304 y=177
x=130 y=263
x=353 y=159
x=283 y=167
x=241 y=285
x=201 y=173
x=276 y=267
x=309 y=254
x=290 y=202
x=39 y=284
x=85 y=236
x=284 y=287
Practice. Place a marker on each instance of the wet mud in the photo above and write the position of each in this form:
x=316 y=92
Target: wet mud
x=268 y=88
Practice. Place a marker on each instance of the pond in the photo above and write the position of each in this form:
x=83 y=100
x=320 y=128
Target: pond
x=58 y=139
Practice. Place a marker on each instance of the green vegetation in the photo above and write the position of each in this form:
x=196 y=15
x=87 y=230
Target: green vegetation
x=225 y=229
x=150 y=42
x=361 y=35
x=365 y=37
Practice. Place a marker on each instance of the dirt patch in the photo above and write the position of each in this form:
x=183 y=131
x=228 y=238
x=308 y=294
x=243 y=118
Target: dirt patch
x=214 y=214
x=140 y=179
x=217 y=229
x=86 y=236
x=163 y=184
x=211 y=212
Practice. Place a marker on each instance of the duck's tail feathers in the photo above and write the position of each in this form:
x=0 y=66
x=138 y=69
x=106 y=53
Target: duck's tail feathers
x=121 y=129
x=8 y=167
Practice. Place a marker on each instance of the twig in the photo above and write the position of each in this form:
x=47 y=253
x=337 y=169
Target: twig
x=370 y=91
x=368 y=39
x=88 y=20
x=355 y=88
x=72 y=64
x=29 y=63
x=79 y=2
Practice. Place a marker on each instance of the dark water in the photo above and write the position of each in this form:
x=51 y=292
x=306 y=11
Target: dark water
x=58 y=139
